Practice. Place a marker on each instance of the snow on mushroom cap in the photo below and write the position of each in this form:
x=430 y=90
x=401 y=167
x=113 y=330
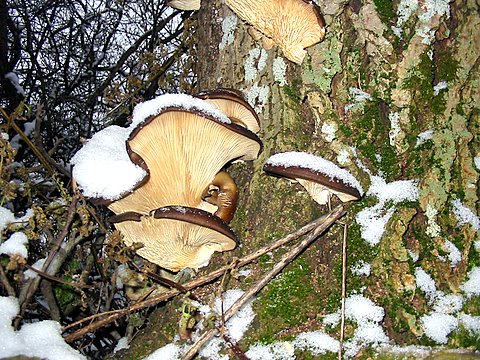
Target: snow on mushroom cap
x=316 y=164
x=153 y=107
x=102 y=167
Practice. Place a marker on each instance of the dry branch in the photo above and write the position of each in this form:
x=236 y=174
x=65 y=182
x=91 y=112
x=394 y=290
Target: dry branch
x=116 y=314
x=284 y=261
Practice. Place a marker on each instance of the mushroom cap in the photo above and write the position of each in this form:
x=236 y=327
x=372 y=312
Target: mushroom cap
x=234 y=106
x=182 y=150
x=176 y=237
x=292 y=24
x=184 y=4
x=319 y=176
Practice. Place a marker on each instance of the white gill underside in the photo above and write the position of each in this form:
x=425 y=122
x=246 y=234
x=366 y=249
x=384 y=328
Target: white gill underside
x=321 y=193
x=291 y=24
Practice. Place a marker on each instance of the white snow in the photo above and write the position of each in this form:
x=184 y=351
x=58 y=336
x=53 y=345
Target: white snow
x=238 y=324
x=315 y=163
x=425 y=283
x=168 y=352
x=438 y=326
x=472 y=286
x=465 y=215
x=440 y=86
x=470 y=323
x=476 y=161
x=7 y=217
x=361 y=268
x=30 y=274
x=15 y=245
x=102 y=167
x=454 y=255
x=424 y=136
x=372 y=220
x=316 y=342
x=359 y=98
x=41 y=339
x=153 y=107
x=395 y=128
x=328 y=130
x=280 y=350
x=15 y=81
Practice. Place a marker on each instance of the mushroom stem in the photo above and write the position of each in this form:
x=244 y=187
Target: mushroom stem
x=223 y=193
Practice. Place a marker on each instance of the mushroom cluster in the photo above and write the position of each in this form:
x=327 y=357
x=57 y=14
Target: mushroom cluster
x=293 y=25
x=320 y=177
x=180 y=204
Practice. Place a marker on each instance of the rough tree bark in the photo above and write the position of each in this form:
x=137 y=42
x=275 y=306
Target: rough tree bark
x=318 y=107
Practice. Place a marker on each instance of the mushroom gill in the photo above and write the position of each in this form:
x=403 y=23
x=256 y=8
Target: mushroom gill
x=293 y=25
x=176 y=237
x=182 y=150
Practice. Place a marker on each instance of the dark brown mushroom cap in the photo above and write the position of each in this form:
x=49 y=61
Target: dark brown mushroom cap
x=182 y=150
x=176 y=237
x=303 y=166
x=195 y=216
x=233 y=104
x=293 y=172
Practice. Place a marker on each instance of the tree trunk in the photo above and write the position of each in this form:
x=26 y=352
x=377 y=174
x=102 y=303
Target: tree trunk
x=393 y=99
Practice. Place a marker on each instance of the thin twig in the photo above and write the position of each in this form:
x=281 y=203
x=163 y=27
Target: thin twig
x=57 y=279
x=344 y=289
x=284 y=261
x=116 y=314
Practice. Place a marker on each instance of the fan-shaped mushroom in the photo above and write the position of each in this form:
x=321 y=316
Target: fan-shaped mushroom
x=182 y=150
x=234 y=106
x=291 y=24
x=320 y=177
x=184 y=4
x=222 y=193
x=176 y=237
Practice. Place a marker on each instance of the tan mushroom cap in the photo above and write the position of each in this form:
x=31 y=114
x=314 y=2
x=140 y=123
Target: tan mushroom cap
x=184 y=4
x=182 y=150
x=291 y=24
x=234 y=106
x=176 y=237
x=319 y=185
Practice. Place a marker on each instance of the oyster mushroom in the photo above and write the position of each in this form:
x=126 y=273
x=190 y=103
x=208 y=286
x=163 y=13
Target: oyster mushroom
x=223 y=193
x=293 y=25
x=182 y=150
x=176 y=237
x=320 y=177
x=234 y=106
x=184 y=4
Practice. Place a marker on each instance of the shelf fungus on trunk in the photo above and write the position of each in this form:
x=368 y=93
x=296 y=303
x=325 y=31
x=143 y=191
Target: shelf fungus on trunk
x=234 y=106
x=293 y=25
x=184 y=4
x=182 y=150
x=176 y=237
x=320 y=177
x=223 y=193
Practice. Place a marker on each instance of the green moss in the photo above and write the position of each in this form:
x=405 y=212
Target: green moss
x=373 y=139
x=293 y=91
x=385 y=10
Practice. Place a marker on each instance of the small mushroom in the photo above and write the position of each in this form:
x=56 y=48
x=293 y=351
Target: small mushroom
x=234 y=106
x=184 y=4
x=320 y=177
x=182 y=150
x=176 y=237
x=222 y=193
x=293 y=25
